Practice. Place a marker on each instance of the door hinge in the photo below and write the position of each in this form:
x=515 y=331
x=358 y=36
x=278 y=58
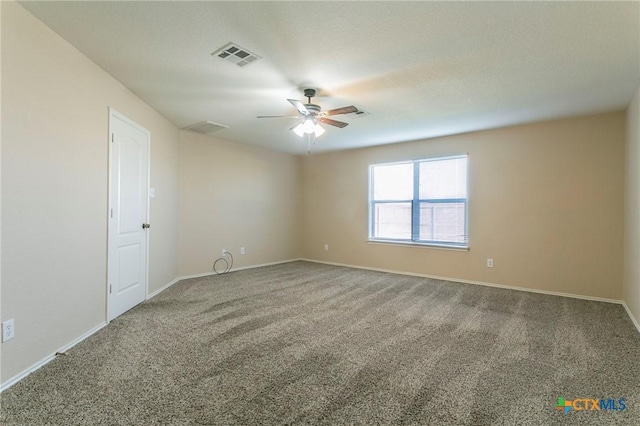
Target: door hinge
x=111 y=213
x=112 y=137
x=110 y=289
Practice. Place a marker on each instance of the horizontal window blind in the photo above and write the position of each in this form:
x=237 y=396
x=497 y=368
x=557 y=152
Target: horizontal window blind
x=422 y=201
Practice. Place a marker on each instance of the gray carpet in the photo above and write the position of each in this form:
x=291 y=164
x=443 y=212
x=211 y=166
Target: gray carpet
x=305 y=343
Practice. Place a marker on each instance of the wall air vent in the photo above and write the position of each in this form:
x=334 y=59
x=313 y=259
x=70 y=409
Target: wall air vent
x=206 y=127
x=236 y=55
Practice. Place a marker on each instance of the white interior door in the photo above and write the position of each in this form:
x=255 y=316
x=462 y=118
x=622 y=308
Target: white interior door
x=128 y=214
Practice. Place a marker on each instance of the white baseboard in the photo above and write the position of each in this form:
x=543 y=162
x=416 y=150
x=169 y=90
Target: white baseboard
x=163 y=288
x=206 y=274
x=482 y=283
x=15 y=379
x=633 y=319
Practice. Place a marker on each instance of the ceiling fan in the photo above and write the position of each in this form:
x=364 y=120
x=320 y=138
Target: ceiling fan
x=312 y=115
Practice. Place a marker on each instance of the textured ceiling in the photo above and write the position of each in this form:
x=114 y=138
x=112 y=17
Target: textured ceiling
x=422 y=69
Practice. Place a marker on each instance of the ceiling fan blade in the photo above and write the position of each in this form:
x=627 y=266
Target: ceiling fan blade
x=331 y=122
x=299 y=106
x=343 y=110
x=278 y=116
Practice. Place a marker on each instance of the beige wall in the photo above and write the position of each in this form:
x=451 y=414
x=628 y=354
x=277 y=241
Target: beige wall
x=632 y=209
x=233 y=196
x=545 y=202
x=54 y=189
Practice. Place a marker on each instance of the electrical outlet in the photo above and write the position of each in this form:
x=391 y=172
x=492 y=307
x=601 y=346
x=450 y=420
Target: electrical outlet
x=489 y=263
x=241 y=250
x=8 y=330
x=224 y=251
x=326 y=247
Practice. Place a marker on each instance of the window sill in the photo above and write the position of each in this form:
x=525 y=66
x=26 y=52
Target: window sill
x=419 y=245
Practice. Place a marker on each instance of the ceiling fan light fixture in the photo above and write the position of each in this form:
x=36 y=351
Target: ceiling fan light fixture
x=299 y=129
x=309 y=126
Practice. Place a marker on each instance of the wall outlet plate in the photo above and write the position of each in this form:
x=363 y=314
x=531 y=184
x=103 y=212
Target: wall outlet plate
x=8 y=330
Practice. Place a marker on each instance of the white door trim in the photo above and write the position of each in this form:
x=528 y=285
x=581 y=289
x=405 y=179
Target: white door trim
x=115 y=114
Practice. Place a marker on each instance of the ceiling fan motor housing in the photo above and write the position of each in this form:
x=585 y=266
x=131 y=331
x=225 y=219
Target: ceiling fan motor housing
x=313 y=108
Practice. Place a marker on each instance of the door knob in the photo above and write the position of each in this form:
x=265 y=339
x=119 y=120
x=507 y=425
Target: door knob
x=146 y=225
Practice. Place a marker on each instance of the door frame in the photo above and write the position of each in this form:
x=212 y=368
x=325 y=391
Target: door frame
x=115 y=115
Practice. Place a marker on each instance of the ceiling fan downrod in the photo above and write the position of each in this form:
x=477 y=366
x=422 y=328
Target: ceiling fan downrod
x=309 y=93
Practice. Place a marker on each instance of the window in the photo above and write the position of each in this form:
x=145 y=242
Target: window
x=420 y=202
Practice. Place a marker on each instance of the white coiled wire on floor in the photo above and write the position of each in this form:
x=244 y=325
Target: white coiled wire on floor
x=227 y=260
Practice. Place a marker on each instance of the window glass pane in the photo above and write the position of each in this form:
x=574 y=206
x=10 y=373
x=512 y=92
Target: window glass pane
x=442 y=222
x=392 y=220
x=393 y=182
x=443 y=179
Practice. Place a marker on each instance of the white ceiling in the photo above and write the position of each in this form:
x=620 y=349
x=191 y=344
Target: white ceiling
x=422 y=69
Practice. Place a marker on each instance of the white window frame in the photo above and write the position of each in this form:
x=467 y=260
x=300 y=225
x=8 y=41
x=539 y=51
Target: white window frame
x=415 y=207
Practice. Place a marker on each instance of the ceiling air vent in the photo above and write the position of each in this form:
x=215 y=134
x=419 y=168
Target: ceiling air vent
x=236 y=55
x=206 y=127
x=359 y=113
